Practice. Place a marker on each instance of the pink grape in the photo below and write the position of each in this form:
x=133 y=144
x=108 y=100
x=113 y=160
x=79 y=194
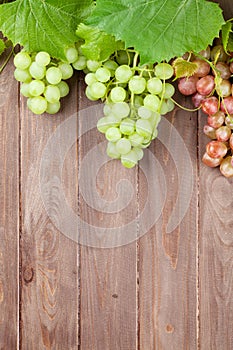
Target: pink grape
x=187 y=86
x=203 y=68
x=205 y=85
x=224 y=70
x=197 y=99
x=227 y=105
x=209 y=131
x=223 y=133
x=216 y=120
x=226 y=167
x=210 y=105
x=216 y=149
x=211 y=162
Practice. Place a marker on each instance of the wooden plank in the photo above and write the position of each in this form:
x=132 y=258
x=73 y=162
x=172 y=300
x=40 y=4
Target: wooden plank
x=9 y=209
x=108 y=305
x=167 y=261
x=50 y=276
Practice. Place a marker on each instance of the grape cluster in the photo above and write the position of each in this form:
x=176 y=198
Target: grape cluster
x=212 y=90
x=135 y=98
x=43 y=79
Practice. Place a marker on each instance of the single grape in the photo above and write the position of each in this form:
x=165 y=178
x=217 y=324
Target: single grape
x=205 y=85
x=163 y=108
x=80 y=63
x=203 y=68
x=52 y=94
x=216 y=120
x=37 y=105
x=144 y=128
x=124 y=57
x=93 y=65
x=229 y=121
x=223 y=133
x=154 y=86
x=205 y=53
x=113 y=134
x=103 y=74
x=89 y=94
x=111 y=65
x=139 y=152
x=137 y=84
x=66 y=70
x=227 y=105
x=224 y=88
x=42 y=59
x=170 y=105
x=197 y=99
x=112 y=151
x=22 y=60
x=144 y=112
x=138 y=101
x=103 y=125
x=164 y=71
x=36 y=71
x=216 y=149
x=71 y=54
x=90 y=78
x=211 y=162
x=53 y=108
x=187 y=86
x=127 y=126
x=121 y=109
x=136 y=139
x=130 y=159
x=98 y=90
x=123 y=146
x=224 y=70
x=226 y=167
x=152 y=102
x=36 y=87
x=168 y=91
x=64 y=88
x=210 y=105
x=24 y=89
x=231 y=142
x=218 y=53
x=123 y=73
x=118 y=94
x=54 y=75
x=22 y=75
x=209 y=131
x=107 y=108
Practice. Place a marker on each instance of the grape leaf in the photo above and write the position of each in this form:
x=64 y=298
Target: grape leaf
x=227 y=37
x=47 y=25
x=159 y=29
x=2 y=46
x=184 y=68
x=98 y=45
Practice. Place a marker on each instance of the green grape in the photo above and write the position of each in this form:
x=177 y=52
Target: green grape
x=103 y=74
x=118 y=94
x=137 y=85
x=152 y=102
x=36 y=71
x=93 y=65
x=52 y=94
x=144 y=128
x=22 y=75
x=113 y=134
x=37 y=105
x=123 y=74
x=36 y=87
x=22 y=60
x=144 y=112
x=103 y=125
x=139 y=152
x=138 y=101
x=164 y=71
x=113 y=120
x=64 y=88
x=24 y=89
x=136 y=139
x=71 y=54
x=66 y=70
x=155 y=134
x=112 y=151
x=98 y=90
x=168 y=91
x=154 y=86
x=123 y=146
x=54 y=75
x=154 y=119
x=127 y=126
x=89 y=94
x=53 y=108
x=130 y=159
x=111 y=65
x=170 y=105
x=90 y=78
x=80 y=63
x=43 y=59
x=124 y=57
x=107 y=109
x=121 y=109
x=163 y=108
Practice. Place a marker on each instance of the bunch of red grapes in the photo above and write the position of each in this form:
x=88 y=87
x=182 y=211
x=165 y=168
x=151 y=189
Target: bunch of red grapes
x=212 y=90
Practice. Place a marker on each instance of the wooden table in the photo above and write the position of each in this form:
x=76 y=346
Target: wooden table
x=167 y=291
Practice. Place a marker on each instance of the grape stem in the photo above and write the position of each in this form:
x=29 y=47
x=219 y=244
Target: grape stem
x=184 y=108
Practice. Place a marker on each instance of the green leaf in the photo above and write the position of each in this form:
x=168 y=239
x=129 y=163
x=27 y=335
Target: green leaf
x=184 y=68
x=98 y=45
x=47 y=25
x=227 y=37
x=159 y=29
x=2 y=46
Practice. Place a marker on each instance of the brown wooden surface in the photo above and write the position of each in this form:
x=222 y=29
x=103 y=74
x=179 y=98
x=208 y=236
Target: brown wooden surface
x=164 y=291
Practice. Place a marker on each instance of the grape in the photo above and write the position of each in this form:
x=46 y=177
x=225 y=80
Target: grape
x=164 y=71
x=187 y=86
x=227 y=105
x=205 y=85
x=130 y=159
x=123 y=146
x=127 y=126
x=53 y=108
x=137 y=85
x=197 y=99
x=154 y=86
x=123 y=73
x=36 y=71
x=223 y=133
x=52 y=93
x=25 y=90
x=113 y=134
x=71 y=54
x=89 y=94
x=37 y=105
x=226 y=167
x=223 y=69
x=216 y=149
x=168 y=91
x=118 y=94
x=80 y=63
x=216 y=120
x=22 y=75
x=112 y=151
x=211 y=162
x=54 y=75
x=170 y=105
x=218 y=53
x=103 y=74
x=231 y=67
x=231 y=142
x=22 y=60
x=111 y=65
x=144 y=128
x=36 y=87
x=223 y=89
x=107 y=108
x=103 y=125
x=229 y=121
x=144 y=112
x=93 y=65
x=98 y=90
x=139 y=152
x=138 y=101
x=121 y=109
x=152 y=102
x=42 y=59
x=136 y=139
x=205 y=53
x=124 y=57
x=90 y=78
x=203 y=68
x=210 y=105
x=66 y=70
x=209 y=131
x=64 y=88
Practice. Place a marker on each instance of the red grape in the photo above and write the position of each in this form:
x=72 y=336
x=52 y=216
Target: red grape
x=216 y=120
x=229 y=121
x=223 y=69
x=223 y=133
x=218 y=52
x=205 y=85
x=210 y=105
x=231 y=141
x=231 y=67
x=211 y=162
x=205 y=53
x=224 y=88
x=203 y=68
x=187 y=86
x=197 y=99
x=209 y=131
x=227 y=105
x=226 y=167
x=216 y=149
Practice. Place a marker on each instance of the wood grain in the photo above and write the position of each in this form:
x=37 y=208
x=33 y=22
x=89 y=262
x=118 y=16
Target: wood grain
x=9 y=209
x=108 y=305
x=50 y=276
x=167 y=261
